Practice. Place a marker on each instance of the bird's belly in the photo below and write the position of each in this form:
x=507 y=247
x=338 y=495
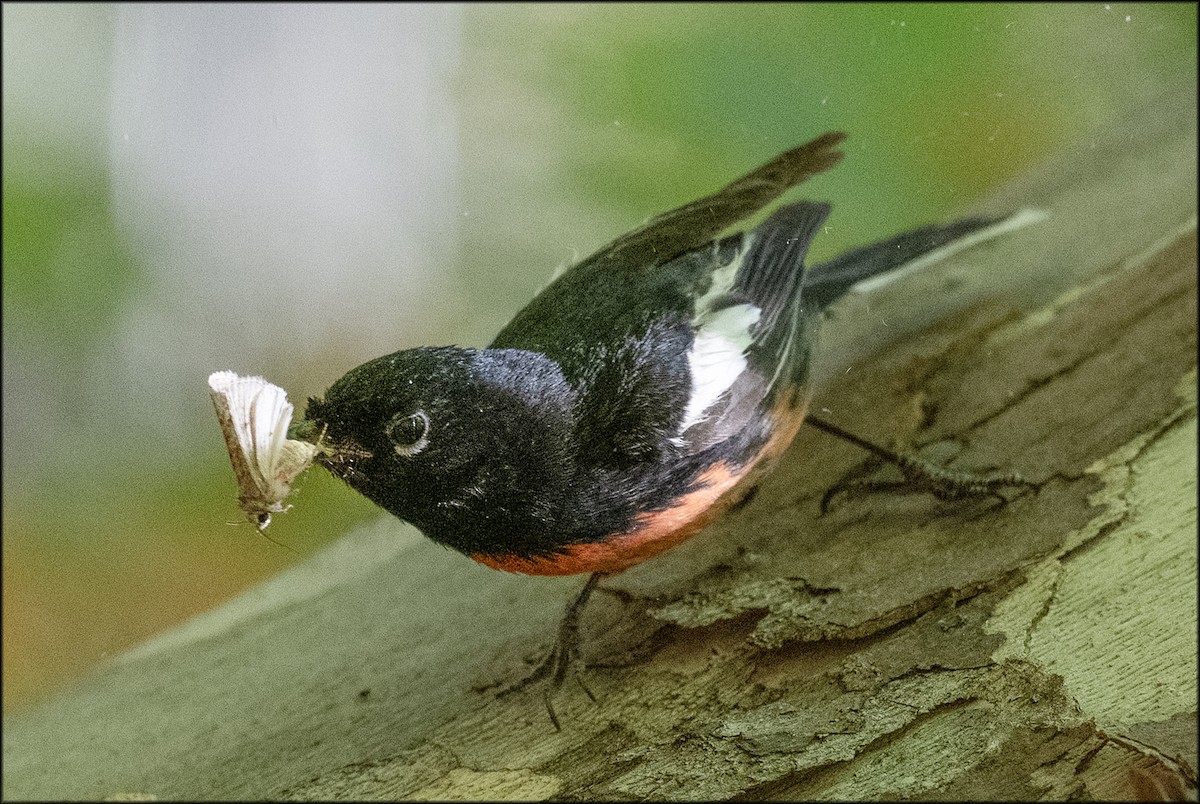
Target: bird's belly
x=716 y=490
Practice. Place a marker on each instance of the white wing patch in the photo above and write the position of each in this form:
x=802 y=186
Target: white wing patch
x=718 y=354
x=717 y=358
x=254 y=416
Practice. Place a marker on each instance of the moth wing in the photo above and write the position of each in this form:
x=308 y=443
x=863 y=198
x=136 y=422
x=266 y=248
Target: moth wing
x=254 y=416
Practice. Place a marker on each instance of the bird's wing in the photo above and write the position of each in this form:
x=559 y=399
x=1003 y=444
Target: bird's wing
x=692 y=225
x=612 y=290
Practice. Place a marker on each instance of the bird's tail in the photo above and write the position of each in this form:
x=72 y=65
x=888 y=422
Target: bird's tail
x=878 y=264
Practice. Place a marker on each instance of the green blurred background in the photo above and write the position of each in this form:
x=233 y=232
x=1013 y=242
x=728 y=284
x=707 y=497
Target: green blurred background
x=291 y=190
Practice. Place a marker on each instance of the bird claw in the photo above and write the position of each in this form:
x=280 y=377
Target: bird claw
x=562 y=657
x=921 y=476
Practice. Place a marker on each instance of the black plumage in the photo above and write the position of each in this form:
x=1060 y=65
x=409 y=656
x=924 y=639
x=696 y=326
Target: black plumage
x=607 y=399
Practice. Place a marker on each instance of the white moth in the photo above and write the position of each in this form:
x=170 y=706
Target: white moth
x=254 y=416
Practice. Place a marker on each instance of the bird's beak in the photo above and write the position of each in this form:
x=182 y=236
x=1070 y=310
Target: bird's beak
x=338 y=455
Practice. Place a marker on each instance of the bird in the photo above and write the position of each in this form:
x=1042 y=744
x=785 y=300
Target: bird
x=644 y=392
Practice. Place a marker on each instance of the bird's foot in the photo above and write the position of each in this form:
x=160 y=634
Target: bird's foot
x=920 y=476
x=562 y=658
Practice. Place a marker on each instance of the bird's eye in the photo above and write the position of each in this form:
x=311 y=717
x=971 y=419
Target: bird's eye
x=409 y=433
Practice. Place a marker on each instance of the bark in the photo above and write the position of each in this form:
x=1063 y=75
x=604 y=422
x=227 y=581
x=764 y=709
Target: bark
x=1037 y=646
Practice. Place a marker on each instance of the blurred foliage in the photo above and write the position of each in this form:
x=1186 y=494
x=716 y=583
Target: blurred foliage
x=52 y=229
x=942 y=101
x=67 y=271
x=650 y=105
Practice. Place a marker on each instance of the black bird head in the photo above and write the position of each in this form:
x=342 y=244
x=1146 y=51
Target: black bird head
x=464 y=444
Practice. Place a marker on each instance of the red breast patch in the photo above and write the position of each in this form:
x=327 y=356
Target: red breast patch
x=717 y=489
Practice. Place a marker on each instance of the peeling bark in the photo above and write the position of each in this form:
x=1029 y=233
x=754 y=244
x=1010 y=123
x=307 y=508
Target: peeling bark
x=1037 y=646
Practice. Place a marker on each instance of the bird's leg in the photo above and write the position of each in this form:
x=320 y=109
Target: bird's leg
x=919 y=475
x=563 y=655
